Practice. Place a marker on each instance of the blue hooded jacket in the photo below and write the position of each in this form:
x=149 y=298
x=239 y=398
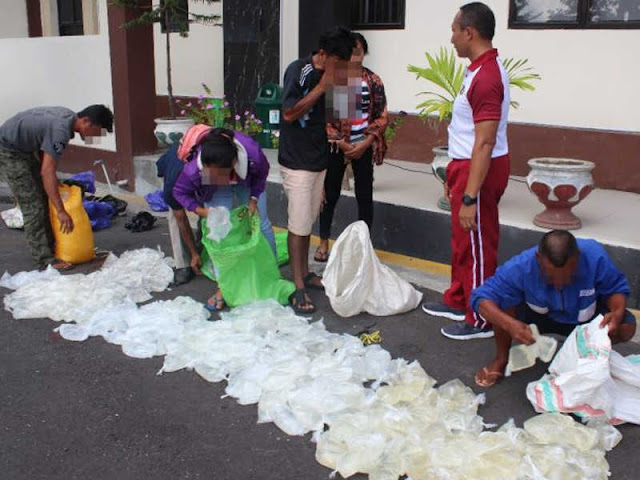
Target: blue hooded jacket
x=520 y=280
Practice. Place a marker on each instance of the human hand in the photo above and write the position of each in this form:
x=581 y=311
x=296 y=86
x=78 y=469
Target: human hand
x=196 y=262
x=613 y=320
x=521 y=332
x=356 y=151
x=253 y=206
x=344 y=145
x=202 y=212
x=327 y=79
x=66 y=223
x=467 y=216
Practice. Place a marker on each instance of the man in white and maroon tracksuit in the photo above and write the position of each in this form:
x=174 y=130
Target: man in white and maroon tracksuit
x=478 y=174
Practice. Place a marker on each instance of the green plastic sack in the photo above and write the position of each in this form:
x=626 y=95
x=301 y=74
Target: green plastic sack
x=246 y=266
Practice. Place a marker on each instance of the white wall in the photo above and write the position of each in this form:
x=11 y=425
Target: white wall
x=289 y=35
x=70 y=71
x=13 y=20
x=589 y=76
x=197 y=59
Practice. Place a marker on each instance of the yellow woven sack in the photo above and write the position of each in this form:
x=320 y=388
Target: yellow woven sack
x=77 y=246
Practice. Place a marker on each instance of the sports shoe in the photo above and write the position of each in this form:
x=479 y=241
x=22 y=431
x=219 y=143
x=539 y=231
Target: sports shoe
x=464 y=331
x=439 y=309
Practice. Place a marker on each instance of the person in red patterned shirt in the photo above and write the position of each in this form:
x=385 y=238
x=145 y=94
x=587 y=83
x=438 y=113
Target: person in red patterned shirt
x=478 y=174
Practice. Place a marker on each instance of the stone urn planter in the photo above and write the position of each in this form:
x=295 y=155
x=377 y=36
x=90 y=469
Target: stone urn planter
x=169 y=131
x=439 y=166
x=560 y=184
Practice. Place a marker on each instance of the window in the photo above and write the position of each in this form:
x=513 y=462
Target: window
x=70 y=17
x=377 y=14
x=574 y=14
x=179 y=16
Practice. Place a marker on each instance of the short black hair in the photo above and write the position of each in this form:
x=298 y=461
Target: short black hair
x=99 y=115
x=358 y=37
x=218 y=148
x=480 y=17
x=558 y=246
x=338 y=41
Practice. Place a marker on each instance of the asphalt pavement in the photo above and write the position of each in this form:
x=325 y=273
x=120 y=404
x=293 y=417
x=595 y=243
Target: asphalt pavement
x=84 y=410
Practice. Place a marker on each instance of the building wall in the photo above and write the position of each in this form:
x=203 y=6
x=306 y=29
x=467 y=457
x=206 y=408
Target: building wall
x=41 y=71
x=13 y=21
x=587 y=74
x=196 y=59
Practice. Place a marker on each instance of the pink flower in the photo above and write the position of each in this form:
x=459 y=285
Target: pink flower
x=178 y=100
x=259 y=122
x=209 y=107
x=237 y=118
x=246 y=112
x=189 y=104
x=253 y=116
x=226 y=104
x=182 y=112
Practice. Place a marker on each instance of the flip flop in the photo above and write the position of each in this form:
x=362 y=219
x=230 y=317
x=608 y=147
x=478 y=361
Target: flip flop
x=215 y=307
x=297 y=300
x=307 y=281
x=485 y=379
x=320 y=256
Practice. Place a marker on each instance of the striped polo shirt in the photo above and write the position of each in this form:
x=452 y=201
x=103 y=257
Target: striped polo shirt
x=360 y=123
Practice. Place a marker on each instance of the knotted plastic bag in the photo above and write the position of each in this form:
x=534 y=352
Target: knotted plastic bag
x=524 y=356
x=247 y=269
x=218 y=223
x=356 y=281
x=76 y=246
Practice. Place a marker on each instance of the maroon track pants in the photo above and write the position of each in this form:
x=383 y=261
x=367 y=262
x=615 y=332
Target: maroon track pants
x=474 y=254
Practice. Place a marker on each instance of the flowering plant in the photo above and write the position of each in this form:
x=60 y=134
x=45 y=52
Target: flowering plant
x=248 y=124
x=216 y=112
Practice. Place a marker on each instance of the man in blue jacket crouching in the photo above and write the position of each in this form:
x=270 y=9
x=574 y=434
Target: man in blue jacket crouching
x=562 y=283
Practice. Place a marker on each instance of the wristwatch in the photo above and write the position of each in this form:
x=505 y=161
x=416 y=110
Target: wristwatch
x=469 y=200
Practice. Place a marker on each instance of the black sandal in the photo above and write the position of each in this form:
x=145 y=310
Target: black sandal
x=320 y=256
x=297 y=301
x=308 y=284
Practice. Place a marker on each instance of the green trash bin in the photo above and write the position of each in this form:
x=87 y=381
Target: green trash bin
x=268 y=105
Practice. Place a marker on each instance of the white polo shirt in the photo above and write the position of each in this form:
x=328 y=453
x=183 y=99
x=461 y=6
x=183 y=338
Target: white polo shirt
x=484 y=96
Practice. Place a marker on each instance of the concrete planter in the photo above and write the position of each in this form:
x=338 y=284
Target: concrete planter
x=559 y=184
x=439 y=166
x=169 y=131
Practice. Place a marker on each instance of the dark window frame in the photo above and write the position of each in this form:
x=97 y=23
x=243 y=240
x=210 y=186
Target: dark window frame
x=582 y=22
x=174 y=26
x=363 y=24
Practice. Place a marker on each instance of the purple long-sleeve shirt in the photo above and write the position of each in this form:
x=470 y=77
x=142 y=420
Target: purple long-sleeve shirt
x=191 y=193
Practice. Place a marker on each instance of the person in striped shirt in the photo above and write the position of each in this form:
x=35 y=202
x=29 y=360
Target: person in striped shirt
x=356 y=136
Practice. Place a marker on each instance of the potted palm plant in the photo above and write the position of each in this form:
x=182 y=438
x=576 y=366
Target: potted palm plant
x=444 y=71
x=175 y=17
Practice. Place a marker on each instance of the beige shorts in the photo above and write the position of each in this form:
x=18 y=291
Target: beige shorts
x=304 y=190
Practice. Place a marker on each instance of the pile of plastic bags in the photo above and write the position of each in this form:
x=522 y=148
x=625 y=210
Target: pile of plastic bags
x=75 y=298
x=369 y=413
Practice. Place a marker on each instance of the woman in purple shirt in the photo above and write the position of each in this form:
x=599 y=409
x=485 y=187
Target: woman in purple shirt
x=227 y=169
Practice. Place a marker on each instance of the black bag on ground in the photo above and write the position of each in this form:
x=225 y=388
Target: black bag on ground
x=141 y=222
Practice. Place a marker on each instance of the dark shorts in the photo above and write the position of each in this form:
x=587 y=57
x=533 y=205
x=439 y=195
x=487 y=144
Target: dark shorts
x=547 y=325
